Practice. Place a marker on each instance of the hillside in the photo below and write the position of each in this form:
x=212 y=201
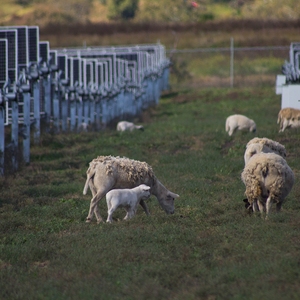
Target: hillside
x=37 y=12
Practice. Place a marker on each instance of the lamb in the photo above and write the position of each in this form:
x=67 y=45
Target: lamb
x=268 y=179
x=288 y=118
x=128 y=126
x=127 y=198
x=239 y=122
x=107 y=172
x=258 y=145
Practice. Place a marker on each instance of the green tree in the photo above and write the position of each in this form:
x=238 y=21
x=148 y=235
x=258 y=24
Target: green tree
x=122 y=9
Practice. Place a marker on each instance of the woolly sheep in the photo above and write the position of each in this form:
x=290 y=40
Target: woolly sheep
x=127 y=198
x=288 y=118
x=239 y=122
x=107 y=172
x=268 y=179
x=258 y=145
x=128 y=126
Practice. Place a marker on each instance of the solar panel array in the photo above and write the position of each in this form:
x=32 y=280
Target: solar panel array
x=105 y=71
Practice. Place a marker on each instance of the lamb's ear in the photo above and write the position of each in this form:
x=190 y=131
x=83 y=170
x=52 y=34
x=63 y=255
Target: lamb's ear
x=146 y=188
x=173 y=195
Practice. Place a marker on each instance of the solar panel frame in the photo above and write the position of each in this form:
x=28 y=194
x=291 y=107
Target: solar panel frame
x=12 y=41
x=3 y=62
x=33 y=44
x=62 y=63
x=44 y=50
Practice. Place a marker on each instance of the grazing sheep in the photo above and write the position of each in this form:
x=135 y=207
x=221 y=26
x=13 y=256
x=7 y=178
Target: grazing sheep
x=128 y=126
x=268 y=179
x=107 y=172
x=127 y=198
x=288 y=118
x=239 y=122
x=258 y=145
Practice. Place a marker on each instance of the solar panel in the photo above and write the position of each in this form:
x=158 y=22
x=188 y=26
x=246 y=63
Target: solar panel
x=3 y=62
x=74 y=70
x=44 y=51
x=53 y=56
x=12 y=42
x=33 y=43
x=62 y=63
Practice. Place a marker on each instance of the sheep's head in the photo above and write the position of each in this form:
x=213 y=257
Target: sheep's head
x=166 y=201
x=145 y=191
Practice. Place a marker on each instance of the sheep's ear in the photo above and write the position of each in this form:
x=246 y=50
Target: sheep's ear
x=173 y=195
x=146 y=188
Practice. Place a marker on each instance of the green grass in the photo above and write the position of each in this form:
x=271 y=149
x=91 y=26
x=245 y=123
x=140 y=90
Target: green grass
x=209 y=249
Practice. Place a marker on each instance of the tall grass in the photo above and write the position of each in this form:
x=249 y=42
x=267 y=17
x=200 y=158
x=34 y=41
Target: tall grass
x=209 y=249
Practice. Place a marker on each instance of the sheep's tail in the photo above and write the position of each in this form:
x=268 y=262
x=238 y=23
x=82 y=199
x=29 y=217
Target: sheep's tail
x=279 y=118
x=90 y=174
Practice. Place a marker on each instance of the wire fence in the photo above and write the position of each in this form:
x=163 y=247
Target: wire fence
x=227 y=66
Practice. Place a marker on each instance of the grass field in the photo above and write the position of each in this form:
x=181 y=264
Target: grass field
x=209 y=249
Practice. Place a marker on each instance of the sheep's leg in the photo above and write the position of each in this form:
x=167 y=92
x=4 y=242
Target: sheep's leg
x=254 y=206
x=261 y=207
x=130 y=214
x=94 y=208
x=268 y=205
x=278 y=206
x=145 y=207
x=110 y=213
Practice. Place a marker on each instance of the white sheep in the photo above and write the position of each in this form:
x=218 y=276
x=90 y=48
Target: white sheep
x=128 y=126
x=107 y=172
x=127 y=198
x=268 y=179
x=258 y=145
x=239 y=122
x=288 y=118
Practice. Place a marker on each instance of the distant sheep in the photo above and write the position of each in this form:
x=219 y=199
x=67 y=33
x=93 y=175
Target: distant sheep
x=128 y=126
x=288 y=118
x=239 y=122
x=265 y=145
x=268 y=179
x=107 y=172
x=127 y=198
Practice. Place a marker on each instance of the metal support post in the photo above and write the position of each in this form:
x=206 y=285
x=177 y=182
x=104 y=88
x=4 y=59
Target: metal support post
x=2 y=135
x=26 y=139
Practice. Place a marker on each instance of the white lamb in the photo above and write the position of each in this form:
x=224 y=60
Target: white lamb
x=239 y=122
x=128 y=126
x=258 y=145
x=127 y=198
x=268 y=179
x=107 y=172
x=288 y=118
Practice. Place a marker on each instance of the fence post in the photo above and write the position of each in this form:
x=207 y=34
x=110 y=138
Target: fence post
x=231 y=62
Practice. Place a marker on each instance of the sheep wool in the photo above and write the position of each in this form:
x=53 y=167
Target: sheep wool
x=268 y=179
x=258 y=145
x=108 y=172
x=239 y=122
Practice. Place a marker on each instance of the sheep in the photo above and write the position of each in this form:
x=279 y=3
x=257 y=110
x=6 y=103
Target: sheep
x=288 y=118
x=127 y=198
x=268 y=179
x=239 y=122
x=128 y=126
x=107 y=172
x=257 y=145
